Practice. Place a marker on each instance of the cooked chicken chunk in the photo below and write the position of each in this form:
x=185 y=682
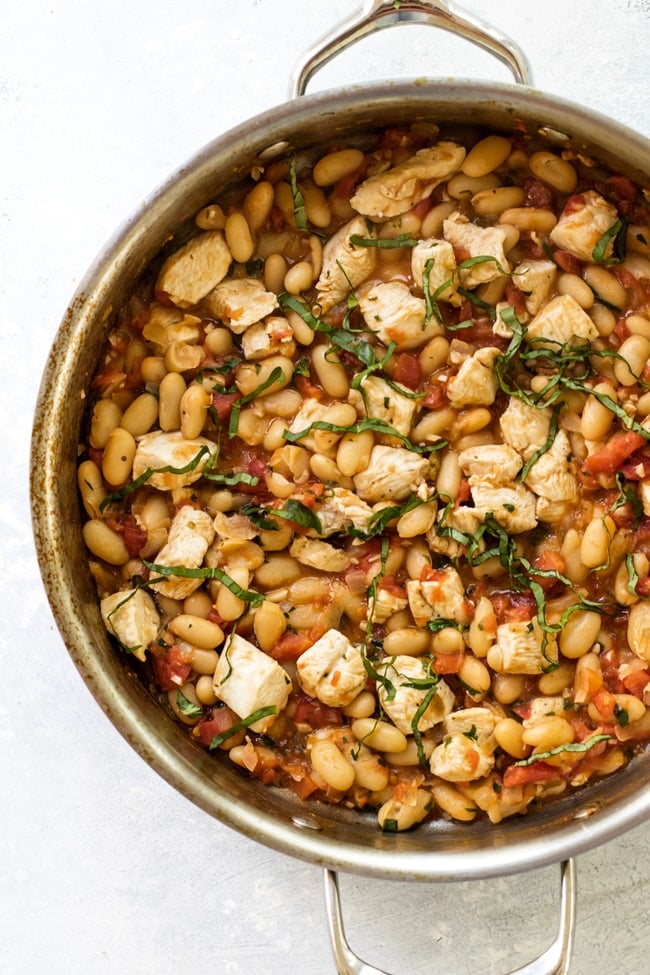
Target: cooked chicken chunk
x=440 y=596
x=477 y=242
x=586 y=217
x=271 y=337
x=187 y=459
x=442 y=269
x=493 y=463
x=240 y=302
x=561 y=322
x=475 y=383
x=345 y=265
x=524 y=427
x=194 y=269
x=519 y=649
x=442 y=536
x=476 y=723
x=332 y=670
x=391 y=193
x=542 y=707
x=168 y=325
x=536 y=279
x=467 y=749
x=319 y=555
x=190 y=535
x=385 y=401
x=342 y=509
x=132 y=618
x=553 y=476
x=402 y=706
x=396 y=315
x=512 y=505
x=247 y=679
x=392 y=473
x=384 y=603
x=460 y=759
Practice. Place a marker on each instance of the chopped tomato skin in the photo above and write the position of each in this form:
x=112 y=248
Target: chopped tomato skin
x=219 y=720
x=223 y=403
x=314 y=713
x=172 y=668
x=407 y=370
x=308 y=389
x=618 y=448
x=448 y=663
x=526 y=774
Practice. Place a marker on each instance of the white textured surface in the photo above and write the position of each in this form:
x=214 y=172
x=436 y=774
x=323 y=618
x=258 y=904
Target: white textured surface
x=104 y=868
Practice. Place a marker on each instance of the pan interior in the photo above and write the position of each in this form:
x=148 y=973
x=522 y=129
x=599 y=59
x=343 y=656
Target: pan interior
x=332 y=836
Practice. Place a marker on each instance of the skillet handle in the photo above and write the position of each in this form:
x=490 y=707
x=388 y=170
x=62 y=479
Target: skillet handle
x=378 y=14
x=554 y=961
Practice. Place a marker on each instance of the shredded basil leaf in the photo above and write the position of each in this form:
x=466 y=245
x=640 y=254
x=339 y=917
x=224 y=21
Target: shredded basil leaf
x=233 y=423
x=150 y=471
x=231 y=480
x=183 y=572
x=299 y=212
x=402 y=240
x=576 y=746
x=187 y=707
x=244 y=723
x=616 y=236
x=368 y=423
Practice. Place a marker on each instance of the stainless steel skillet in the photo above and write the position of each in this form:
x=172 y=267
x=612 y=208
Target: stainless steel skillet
x=335 y=839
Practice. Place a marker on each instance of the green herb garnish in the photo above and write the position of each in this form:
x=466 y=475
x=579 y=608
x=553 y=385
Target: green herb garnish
x=577 y=746
x=240 y=725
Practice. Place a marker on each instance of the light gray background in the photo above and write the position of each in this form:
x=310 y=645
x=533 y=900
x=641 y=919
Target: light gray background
x=103 y=867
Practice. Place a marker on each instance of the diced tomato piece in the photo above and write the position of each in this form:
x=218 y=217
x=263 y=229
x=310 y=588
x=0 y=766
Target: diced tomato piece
x=134 y=536
x=526 y=774
x=172 y=668
x=434 y=397
x=291 y=645
x=222 y=403
x=307 y=388
x=303 y=787
x=448 y=663
x=464 y=492
x=391 y=585
x=620 y=189
x=636 y=682
x=538 y=194
x=516 y=298
x=316 y=714
x=573 y=204
x=618 y=448
x=218 y=721
x=550 y=560
x=407 y=370
x=95 y=454
x=605 y=703
x=568 y=262
x=513 y=606
x=621 y=331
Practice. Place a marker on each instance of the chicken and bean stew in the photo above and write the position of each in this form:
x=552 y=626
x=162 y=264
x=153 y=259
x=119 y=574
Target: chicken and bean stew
x=367 y=474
